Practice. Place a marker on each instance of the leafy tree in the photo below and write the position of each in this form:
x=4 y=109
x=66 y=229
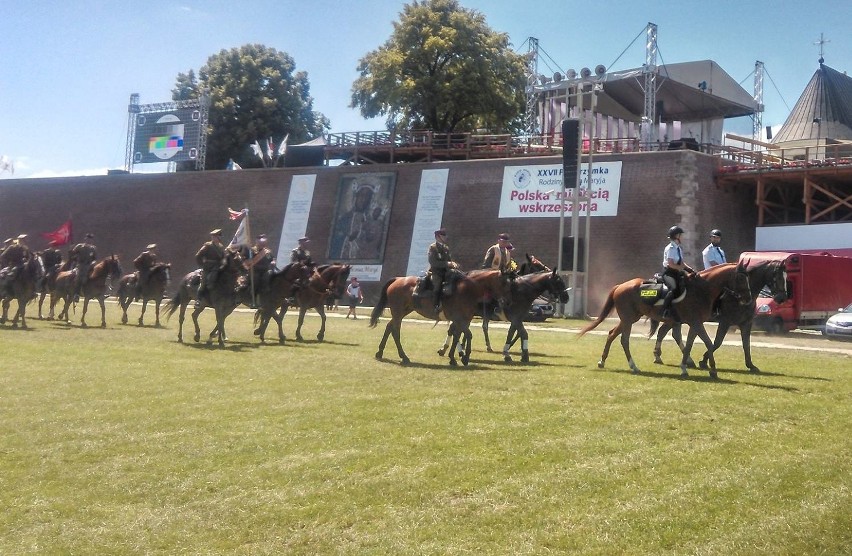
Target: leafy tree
x=444 y=69
x=254 y=94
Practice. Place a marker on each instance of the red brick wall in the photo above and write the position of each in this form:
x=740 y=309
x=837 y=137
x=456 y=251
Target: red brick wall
x=126 y=212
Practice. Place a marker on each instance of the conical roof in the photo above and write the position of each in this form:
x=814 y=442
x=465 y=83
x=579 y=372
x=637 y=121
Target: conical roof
x=824 y=111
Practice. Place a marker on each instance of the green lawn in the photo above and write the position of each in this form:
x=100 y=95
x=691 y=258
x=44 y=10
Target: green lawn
x=122 y=441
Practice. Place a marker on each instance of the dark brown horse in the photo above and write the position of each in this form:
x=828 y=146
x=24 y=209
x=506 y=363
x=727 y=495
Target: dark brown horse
x=95 y=288
x=152 y=290
x=51 y=262
x=21 y=287
x=282 y=284
x=458 y=308
x=221 y=295
x=763 y=274
x=327 y=280
x=695 y=309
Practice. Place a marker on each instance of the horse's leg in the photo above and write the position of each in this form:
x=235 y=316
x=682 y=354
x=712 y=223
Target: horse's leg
x=610 y=338
x=677 y=335
x=41 y=297
x=468 y=340
x=321 y=310
x=395 y=332
x=658 y=346
x=721 y=332
x=124 y=304
x=103 y=311
x=279 y=319
x=5 y=315
x=156 y=311
x=485 y=321
x=625 y=345
x=380 y=352
x=195 y=313
x=85 y=308
x=144 y=306
x=697 y=329
x=220 y=323
x=452 y=355
x=745 y=335
x=525 y=342
x=508 y=345
x=302 y=311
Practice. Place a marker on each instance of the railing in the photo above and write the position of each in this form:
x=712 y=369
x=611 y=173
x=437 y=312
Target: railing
x=734 y=159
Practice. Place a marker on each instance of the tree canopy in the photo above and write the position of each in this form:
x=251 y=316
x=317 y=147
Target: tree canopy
x=255 y=93
x=444 y=69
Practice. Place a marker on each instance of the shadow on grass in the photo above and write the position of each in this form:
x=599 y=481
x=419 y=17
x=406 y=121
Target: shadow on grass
x=700 y=376
x=230 y=345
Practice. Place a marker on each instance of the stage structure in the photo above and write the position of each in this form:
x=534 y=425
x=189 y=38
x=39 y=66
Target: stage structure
x=174 y=131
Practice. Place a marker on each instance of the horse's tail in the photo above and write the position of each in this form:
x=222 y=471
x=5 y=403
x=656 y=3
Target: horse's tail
x=607 y=309
x=380 y=306
x=172 y=305
x=654 y=325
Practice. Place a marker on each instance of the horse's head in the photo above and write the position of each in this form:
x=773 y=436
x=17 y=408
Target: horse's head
x=233 y=261
x=338 y=282
x=741 y=289
x=533 y=265
x=556 y=287
x=778 y=282
x=112 y=267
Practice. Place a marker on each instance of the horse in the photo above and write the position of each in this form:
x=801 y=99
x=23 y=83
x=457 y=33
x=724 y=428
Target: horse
x=458 y=308
x=51 y=262
x=152 y=290
x=769 y=274
x=326 y=280
x=695 y=308
x=221 y=295
x=95 y=288
x=282 y=285
x=20 y=287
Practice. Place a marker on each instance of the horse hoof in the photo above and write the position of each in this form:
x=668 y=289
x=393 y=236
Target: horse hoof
x=713 y=374
x=123 y=320
x=441 y=352
x=489 y=350
x=600 y=364
x=701 y=365
x=507 y=358
x=753 y=369
x=658 y=361
x=465 y=361
x=406 y=361
x=379 y=355
x=683 y=373
x=635 y=371
x=453 y=363
x=84 y=325
x=257 y=331
x=197 y=338
x=691 y=364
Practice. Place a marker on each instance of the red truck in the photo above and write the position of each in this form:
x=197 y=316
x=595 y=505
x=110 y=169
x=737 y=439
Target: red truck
x=817 y=285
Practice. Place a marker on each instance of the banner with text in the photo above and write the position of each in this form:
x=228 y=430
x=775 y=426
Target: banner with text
x=296 y=216
x=427 y=219
x=536 y=191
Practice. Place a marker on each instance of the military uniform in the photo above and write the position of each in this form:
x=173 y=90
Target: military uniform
x=209 y=258
x=301 y=255
x=497 y=258
x=12 y=258
x=262 y=265
x=83 y=256
x=440 y=262
x=143 y=265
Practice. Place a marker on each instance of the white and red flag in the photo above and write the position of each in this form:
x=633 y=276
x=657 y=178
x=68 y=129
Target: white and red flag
x=236 y=214
x=59 y=236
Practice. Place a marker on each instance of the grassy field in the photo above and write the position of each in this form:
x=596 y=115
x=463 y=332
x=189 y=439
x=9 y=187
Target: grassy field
x=122 y=441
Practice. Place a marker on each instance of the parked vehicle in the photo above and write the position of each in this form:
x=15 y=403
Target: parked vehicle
x=540 y=310
x=817 y=284
x=840 y=325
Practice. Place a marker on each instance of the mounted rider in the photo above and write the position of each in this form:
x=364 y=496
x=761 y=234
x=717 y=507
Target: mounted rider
x=499 y=255
x=51 y=260
x=83 y=257
x=210 y=258
x=300 y=253
x=143 y=264
x=440 y=264
x=13 y=258
x=261 y=264
x=674 y=271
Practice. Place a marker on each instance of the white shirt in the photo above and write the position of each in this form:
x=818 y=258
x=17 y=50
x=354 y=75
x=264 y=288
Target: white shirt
x=713 y=255
x=673 y=252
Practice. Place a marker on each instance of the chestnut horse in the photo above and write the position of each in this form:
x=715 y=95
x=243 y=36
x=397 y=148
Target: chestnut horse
x=95 y=288
x=769 y=274
x=695 y=309
x=221 y=295
x=21 y=287
x=458 y=308
x=152 y=290
x=327 y=280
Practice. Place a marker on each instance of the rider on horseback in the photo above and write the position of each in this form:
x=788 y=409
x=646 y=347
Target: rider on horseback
x=210 y=258
x=499 y=256
x=674 y=271
x=261 y=265
x=143 y=264
x=440 y=263
x=83 y=255
x=13 y=258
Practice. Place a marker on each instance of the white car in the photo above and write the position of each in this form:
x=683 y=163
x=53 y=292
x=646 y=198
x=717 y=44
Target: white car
x=840 y=325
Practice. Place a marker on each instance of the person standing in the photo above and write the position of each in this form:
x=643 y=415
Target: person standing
x=440 y=263
x=674 y=270
x=210 y=258
x=355 y=295
x=713 y=254
x=499 y=256
x=83 y=255
x=143 y=265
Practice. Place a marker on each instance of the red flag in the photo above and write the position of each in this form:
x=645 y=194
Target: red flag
x=60 y=236
x=235 y=214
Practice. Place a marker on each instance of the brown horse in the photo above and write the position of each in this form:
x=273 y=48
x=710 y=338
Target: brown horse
x=152 y=290
x=458 y=308
x=95 y=288
x=283 y=284
x=51 y=262
x=20 y=287
x=695 y=309
x=327 y=280
x=221 y=295
x=769 y=274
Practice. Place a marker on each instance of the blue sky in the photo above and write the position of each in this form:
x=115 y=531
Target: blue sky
x=69 y=68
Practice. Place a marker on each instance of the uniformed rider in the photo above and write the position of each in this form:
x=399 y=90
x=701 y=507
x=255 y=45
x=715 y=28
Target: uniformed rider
x=143 y=264
x=261 y=264
x=210 y=258
x=14 y=256
x=440 y=263
x=674 y=270
x=83 y=256
x=498 y=256
x=300 y=253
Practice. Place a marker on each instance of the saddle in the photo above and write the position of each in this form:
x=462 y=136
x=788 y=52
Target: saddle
x=426 y=285
x=653 y=291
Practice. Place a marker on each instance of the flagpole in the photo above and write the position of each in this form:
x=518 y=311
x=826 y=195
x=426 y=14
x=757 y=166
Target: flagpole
x=248 y=238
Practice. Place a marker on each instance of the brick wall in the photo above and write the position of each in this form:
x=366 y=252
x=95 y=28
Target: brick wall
x=176 y=211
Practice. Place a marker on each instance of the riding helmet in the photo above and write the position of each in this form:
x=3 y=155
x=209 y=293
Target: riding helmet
x=715 y=233
x=675 y=230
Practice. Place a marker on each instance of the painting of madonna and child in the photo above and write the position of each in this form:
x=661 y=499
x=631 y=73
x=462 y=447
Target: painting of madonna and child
x=361 y=217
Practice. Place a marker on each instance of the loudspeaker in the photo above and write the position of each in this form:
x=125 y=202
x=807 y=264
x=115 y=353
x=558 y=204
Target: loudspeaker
x=660 y=107
x=568 y=254
x=570 y=148
x=768 y=132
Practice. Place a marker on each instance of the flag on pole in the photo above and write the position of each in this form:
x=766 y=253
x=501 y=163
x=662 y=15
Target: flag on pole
x=6 y=164
x=235 y=214
x=255 y=147
x=270 y=148
x=233 y=165
x=61 y=235
x=241 y=238
x=282 y=148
